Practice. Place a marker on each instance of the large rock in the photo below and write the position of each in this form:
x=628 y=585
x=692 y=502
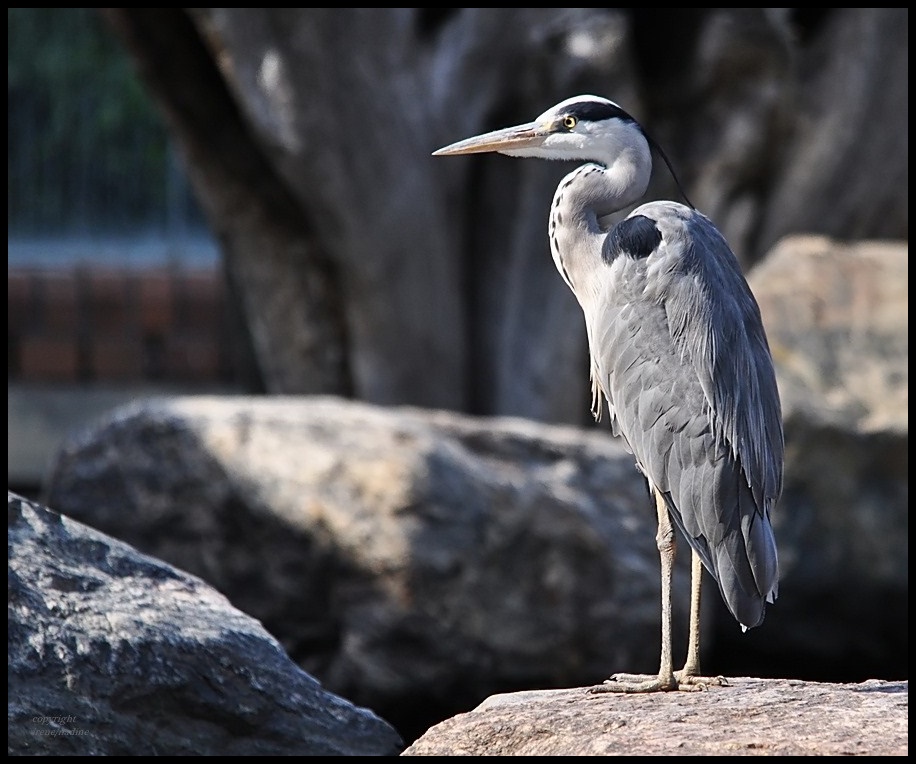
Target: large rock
x=836 y=317
x=752 y=717
x=113 y=653
x=413 y=561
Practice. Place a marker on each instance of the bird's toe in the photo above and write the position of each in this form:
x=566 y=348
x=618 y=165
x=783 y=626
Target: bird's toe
x=690 y=682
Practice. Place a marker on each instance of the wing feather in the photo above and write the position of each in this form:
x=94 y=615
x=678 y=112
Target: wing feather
x=679 y=353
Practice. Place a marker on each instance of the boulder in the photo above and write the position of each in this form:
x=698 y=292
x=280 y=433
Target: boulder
x=414 y=561
x=114 y=653
x=751 y=717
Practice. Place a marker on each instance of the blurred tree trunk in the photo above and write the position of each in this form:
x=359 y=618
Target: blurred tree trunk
x=365 y=267
x=287 y=288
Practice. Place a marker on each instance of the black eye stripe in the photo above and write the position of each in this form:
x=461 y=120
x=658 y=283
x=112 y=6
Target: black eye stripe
x=595 y=111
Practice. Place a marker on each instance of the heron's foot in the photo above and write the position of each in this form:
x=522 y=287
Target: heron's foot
x=632 y=678
x=636 y=683
x=682 y=681
x=686 y=677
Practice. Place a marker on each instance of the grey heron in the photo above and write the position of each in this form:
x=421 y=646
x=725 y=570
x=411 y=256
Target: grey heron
x=678 y=353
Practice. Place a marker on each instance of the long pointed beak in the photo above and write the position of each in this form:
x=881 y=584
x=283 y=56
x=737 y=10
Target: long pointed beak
x=507 y=139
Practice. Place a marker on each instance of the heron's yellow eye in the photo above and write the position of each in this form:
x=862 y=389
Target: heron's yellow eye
x=569 y=122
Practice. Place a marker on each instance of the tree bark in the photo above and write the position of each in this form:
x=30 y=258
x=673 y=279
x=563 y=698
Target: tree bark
x=368 y=268
x=288 y=290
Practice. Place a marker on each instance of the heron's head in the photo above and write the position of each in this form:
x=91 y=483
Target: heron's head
x=582 y=128
x=585 y=128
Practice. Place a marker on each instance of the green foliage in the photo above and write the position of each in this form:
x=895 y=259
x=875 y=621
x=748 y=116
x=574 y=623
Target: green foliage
x=87 y=150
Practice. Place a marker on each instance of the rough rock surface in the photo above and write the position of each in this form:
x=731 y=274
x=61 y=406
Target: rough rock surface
x=414 y=561
x=836 y=318
x=772 y=717
x=113 y=653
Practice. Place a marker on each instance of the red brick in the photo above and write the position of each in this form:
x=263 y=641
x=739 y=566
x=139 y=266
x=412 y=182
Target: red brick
x=58 y=292
x=156 y=295
x=48 y=359
x=115 y=357
x=19 y=301
x=192 y=358
x=108 y=300
x=202 y=301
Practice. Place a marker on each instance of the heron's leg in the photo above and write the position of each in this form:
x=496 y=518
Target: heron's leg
x=690 y=674
x=665 y=679
x=692 y=666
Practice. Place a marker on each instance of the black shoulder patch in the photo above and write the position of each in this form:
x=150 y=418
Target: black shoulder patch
x=635 y=236
x=595 y=111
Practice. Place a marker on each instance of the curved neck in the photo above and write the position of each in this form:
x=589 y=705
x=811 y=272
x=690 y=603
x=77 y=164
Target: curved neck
x=595 y=190
x=585 y=196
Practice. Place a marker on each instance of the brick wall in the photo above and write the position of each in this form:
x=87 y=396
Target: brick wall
x=86 y=324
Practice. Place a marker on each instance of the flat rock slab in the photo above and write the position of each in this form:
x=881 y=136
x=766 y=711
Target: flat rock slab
x=765 y=717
